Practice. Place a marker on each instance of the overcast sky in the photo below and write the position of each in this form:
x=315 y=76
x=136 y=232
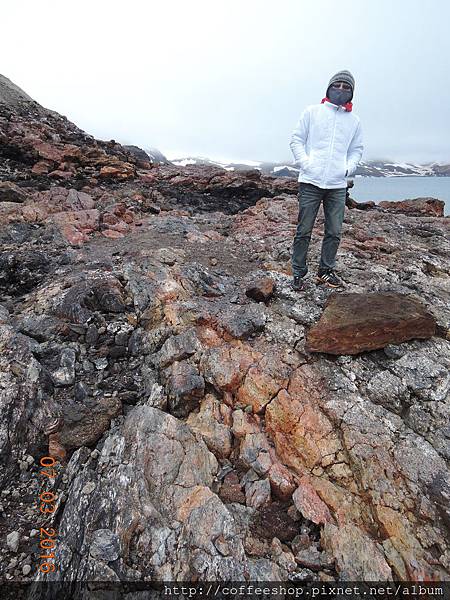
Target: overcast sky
x=228 y=80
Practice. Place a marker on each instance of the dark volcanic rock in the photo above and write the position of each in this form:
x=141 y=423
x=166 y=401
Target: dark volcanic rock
x=20 y=271
x=11 y=193
x=104 y=545
x=359 y=205
x=85 y=422
x=353 y=323
x=244 y=321
x=138 y=153
x=273 y=521
x=185 y=387
x=261 y=289
x=89 y=295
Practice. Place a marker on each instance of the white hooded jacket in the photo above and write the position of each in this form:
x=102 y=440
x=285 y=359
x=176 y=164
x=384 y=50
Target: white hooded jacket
x=327 y=145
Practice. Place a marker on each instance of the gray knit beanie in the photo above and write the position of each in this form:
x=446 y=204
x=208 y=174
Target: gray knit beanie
x=344 y=76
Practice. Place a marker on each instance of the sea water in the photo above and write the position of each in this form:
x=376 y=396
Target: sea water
x=401 y=188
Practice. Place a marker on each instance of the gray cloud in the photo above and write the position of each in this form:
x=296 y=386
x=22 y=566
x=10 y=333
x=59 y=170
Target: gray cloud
x=229 y=80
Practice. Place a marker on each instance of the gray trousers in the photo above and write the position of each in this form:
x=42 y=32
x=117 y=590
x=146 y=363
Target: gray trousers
x=310 y=197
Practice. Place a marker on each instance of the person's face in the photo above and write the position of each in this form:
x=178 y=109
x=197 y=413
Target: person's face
x=341 y=85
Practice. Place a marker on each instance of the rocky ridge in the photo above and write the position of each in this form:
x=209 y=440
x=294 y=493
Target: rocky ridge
x=151 y=342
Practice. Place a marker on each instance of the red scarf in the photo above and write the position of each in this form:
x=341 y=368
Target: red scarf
x=348 y=107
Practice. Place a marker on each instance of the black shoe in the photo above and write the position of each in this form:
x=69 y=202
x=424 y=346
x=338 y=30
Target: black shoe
x=329 y=278
x=298 y=283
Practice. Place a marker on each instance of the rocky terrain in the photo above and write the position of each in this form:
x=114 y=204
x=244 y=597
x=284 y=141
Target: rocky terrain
x=205 y=427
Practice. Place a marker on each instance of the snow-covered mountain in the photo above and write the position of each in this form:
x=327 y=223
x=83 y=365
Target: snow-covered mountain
x=371 y=168
x=374 y=168
x=389 y=169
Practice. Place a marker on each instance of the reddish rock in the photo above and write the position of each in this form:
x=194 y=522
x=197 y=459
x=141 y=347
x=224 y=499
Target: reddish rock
x=257 y=493
x=73 y=235
x=128 y=216
x=121 y=170
x=72 y=153
x=255 y=546
x=226 y=366
x=42 y=167
x=75 y=225
x=431 y=207
x=301 y=443
x=308 y=502
x=49 y=152
x=243 y=423
x=281 y=479
x=260 y=289
x=113 y=222
x=110 y=218
x=263 y=381
x=148 y=179
x=56 y=200
x=110 y=233
x=61 y=174
x=352 y=323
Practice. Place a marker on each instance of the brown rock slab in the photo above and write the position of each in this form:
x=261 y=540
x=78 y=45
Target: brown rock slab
x=352 y=323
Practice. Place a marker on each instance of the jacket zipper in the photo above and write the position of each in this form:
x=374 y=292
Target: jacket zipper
x=331 y=147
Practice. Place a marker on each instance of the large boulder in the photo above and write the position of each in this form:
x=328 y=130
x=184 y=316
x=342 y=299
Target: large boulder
x=352 y=323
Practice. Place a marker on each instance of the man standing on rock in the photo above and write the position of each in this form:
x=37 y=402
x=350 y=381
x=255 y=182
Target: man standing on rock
x=327 y=146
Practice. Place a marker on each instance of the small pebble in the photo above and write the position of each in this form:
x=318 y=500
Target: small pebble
x=88 y=488
x=12 y=540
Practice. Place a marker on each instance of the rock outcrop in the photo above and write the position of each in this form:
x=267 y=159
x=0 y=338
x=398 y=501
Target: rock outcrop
x=151 y=342
x=417 y=207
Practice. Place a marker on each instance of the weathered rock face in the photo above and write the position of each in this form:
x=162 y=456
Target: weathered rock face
x=419 y=206
x=353 y=323
x=160 y=354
